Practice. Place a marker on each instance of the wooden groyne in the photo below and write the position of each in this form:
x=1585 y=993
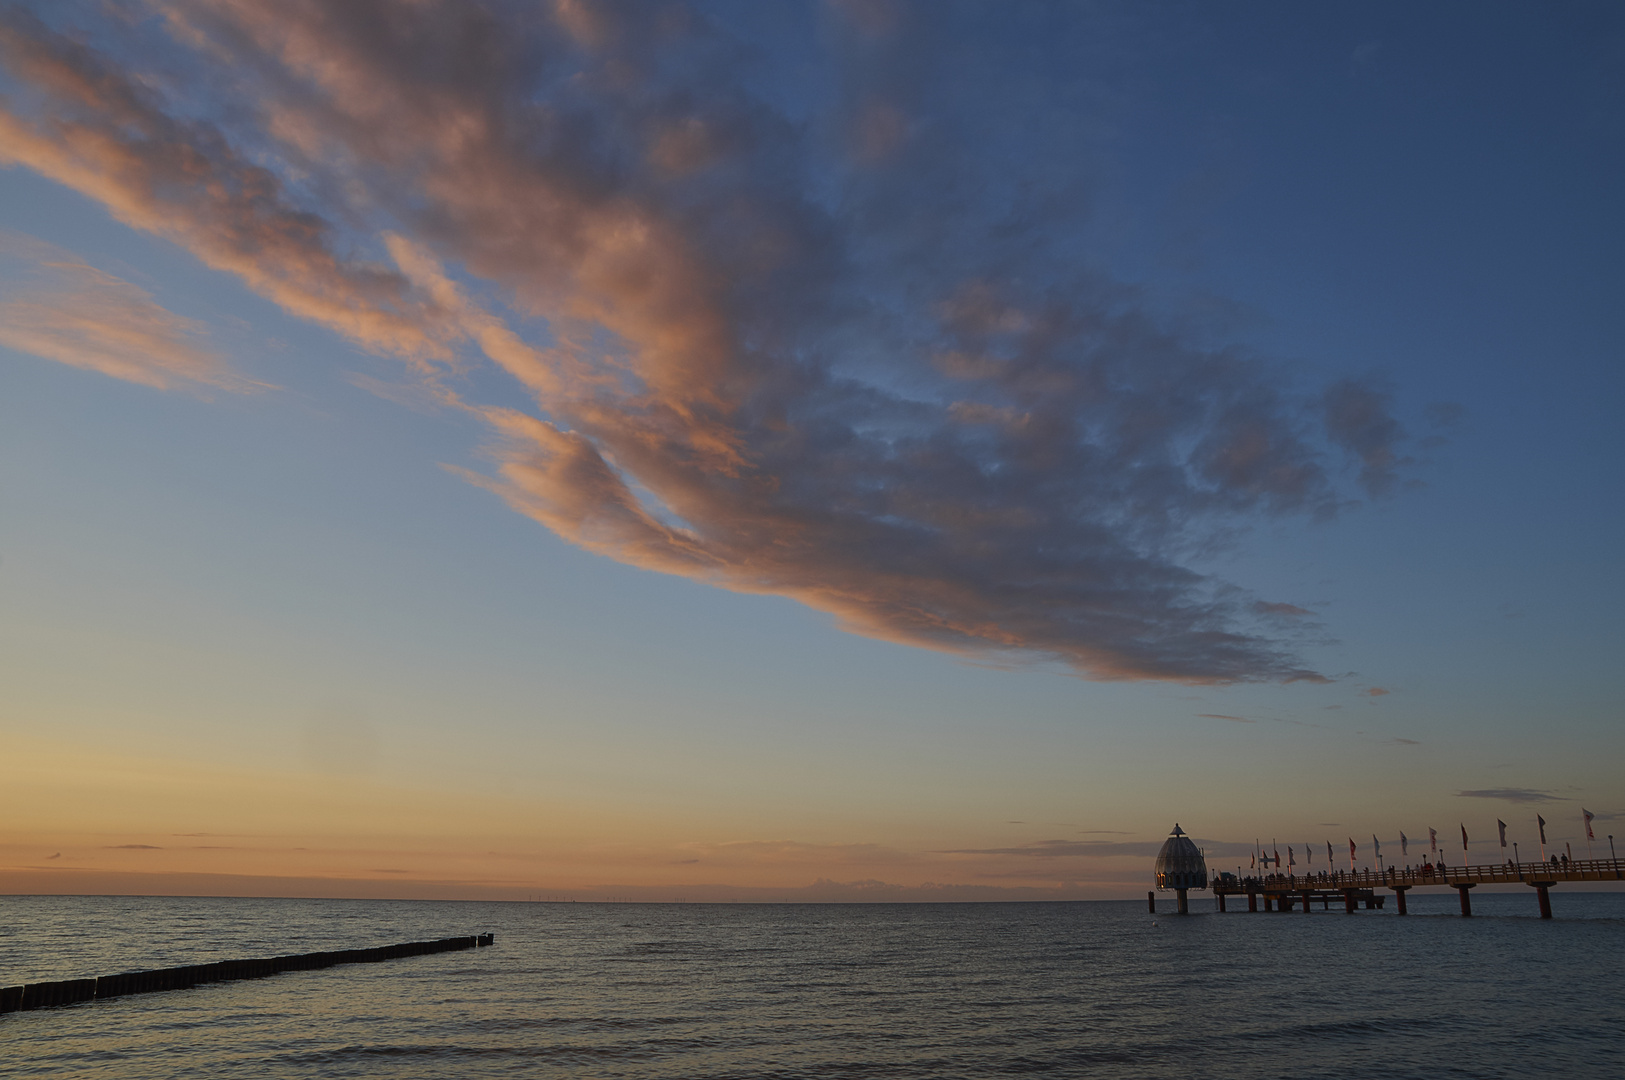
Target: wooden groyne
x=43 y=995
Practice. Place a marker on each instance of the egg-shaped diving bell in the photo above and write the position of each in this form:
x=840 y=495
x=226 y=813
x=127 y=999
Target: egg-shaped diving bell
x=1180 y=866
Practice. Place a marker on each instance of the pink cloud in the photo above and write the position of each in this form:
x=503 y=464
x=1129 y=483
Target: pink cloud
x=726 y=378
x=62 y=309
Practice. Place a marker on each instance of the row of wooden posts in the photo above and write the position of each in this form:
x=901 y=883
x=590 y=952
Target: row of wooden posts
x=1287 y=899
x=42 y=995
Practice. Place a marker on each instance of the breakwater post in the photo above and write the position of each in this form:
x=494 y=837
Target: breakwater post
x=44 y=995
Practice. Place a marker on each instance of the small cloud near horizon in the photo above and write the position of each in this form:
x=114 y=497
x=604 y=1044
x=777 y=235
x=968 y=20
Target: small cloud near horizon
x=133 y=847
x=1512 y=795
x=1050 y=849
x=1222 y=716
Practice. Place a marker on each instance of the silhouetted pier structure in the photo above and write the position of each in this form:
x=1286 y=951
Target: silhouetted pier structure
x=1288 y=892
x=42 y=995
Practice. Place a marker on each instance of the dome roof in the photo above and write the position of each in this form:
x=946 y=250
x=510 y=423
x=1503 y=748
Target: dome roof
x=1180 y=864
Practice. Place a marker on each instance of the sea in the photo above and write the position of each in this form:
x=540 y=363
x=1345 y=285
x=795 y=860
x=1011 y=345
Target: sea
x=1089 y=989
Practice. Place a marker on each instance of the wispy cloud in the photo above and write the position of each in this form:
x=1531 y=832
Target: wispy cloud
x=1222 y=716
x=1051 y=849
x=60 y=308
x=759 y=355
x=1287 y=611
x=1512 y=794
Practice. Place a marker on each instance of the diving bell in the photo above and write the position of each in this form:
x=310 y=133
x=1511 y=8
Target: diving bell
x=1180 y=865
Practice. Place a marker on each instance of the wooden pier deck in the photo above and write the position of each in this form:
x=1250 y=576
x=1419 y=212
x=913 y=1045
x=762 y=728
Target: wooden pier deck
x=1285 y=892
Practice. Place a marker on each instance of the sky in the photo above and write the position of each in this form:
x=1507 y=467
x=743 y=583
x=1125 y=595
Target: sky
x=807 y=451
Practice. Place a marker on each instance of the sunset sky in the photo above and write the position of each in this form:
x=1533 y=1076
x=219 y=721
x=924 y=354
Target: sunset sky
x=812 y=451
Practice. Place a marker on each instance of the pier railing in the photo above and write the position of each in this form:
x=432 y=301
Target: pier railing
x=1528 y=873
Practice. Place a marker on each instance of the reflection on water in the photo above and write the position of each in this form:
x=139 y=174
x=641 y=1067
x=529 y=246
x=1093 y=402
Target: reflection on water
x=1086 y=990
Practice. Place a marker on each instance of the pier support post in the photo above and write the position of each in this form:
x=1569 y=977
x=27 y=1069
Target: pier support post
x=1466 y=899
x=1399 y=891
x=1308 y=900
x=1151 y=901
x=1252 y=901
x=1545 y=898
x=1348 y=901
x=1184 y=905
x=1221 y=903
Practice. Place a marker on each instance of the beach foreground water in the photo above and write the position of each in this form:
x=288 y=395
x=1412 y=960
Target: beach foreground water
x=1099 y=989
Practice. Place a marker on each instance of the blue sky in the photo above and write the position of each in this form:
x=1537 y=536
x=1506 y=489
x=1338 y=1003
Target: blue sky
x=997 y=364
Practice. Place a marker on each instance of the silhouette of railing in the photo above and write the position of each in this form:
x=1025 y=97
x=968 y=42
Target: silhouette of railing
x=1508 y=873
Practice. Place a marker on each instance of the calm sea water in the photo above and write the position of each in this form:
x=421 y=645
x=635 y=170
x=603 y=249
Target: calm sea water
x=929 y=990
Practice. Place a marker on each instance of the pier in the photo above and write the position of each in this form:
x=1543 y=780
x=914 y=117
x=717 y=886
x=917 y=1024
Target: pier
x=43 y=995
x=1288 y=892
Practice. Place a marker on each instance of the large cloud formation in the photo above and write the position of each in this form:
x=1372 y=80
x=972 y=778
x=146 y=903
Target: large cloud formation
x=830 y=358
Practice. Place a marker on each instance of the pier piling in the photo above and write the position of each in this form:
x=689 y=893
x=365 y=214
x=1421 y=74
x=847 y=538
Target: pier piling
x=1281 y=892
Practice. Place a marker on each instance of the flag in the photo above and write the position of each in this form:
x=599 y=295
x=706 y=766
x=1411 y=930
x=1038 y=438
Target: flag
x=1499 y=824
x=1291 y=860
x=1542 y=823
x=1352 y=854
x=1376 y=846
x=1308 y=855
x=1404 y=843
x=1252 y=864
x=1589 y=815
x=1330 y=858
x=1433 y=841
x=1464 y=838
